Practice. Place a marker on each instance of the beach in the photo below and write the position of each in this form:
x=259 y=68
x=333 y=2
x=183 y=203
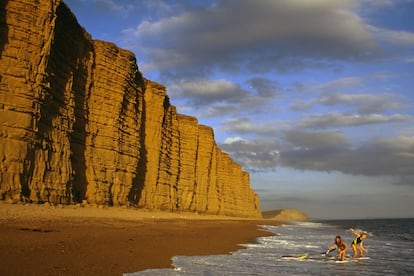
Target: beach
x=76 y=240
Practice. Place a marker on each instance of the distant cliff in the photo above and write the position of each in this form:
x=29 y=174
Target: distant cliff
x=285 y=215
x=79 y=123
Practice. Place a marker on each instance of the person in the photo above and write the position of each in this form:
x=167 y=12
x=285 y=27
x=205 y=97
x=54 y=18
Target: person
x=342 y=247
x=358 y=243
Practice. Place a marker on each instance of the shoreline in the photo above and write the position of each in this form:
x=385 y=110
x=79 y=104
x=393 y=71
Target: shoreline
x=73 y=240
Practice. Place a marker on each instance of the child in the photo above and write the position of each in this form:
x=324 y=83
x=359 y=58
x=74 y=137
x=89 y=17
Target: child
x=357 y=243
x=342 y=247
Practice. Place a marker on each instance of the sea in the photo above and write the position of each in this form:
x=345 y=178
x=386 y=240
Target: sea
x=299 y=249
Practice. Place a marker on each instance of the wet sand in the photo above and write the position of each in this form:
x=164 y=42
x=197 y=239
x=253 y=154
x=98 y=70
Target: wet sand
x=73 y=240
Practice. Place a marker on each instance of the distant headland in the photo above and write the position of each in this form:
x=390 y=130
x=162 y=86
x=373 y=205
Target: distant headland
x=285 y=215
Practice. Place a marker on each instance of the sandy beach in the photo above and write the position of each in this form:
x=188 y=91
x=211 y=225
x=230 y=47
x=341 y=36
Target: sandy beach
x=75 y=240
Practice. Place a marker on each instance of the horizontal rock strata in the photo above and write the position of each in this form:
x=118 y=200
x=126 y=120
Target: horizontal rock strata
x=79 y=123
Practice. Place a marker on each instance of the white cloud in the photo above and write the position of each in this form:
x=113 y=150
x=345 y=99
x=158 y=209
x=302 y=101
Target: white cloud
x=231 y=140
x=204 y=92
x=248 y=127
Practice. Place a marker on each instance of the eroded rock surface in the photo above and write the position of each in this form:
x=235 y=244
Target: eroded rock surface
x=79 y=123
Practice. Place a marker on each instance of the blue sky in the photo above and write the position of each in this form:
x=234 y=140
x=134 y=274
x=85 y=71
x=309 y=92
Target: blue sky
x=313 y=97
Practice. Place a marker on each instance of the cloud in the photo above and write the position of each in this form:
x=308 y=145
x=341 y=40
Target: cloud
x=256 y=155
x=315 y=140
x=378 y=3
x=114 y=6
x=220 y=97
x=340 y=120
x=409 y=59
x=326 y=151
x=232 y=140
x=206 y=92
x=369 y=102
x=396 y=37
x=405 y=180
x=219 y=110
x=195 y=49
x=364 y=103
x=385 y=156
x=233 y=34
x=264 y=87
x=245 y=126
x=340 y=84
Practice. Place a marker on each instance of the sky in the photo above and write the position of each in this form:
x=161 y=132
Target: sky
x=314 y=98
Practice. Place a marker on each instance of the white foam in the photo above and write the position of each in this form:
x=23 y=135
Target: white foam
x=265 y=256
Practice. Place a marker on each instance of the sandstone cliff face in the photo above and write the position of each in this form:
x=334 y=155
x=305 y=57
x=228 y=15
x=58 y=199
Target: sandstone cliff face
x=78 y=122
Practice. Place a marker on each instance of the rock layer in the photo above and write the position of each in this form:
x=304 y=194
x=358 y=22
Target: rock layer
x=79 y=123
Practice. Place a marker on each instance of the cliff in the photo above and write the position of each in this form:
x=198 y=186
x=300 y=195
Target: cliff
x=79 y=123
x=285 y=215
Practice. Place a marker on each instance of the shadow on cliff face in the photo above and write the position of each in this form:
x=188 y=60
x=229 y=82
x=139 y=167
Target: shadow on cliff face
x=135 y=193
x=67 y=69
x=81 y=59
x=4 y=30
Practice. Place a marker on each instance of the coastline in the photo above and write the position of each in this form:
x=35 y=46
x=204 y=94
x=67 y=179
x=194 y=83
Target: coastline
x=74 y=240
